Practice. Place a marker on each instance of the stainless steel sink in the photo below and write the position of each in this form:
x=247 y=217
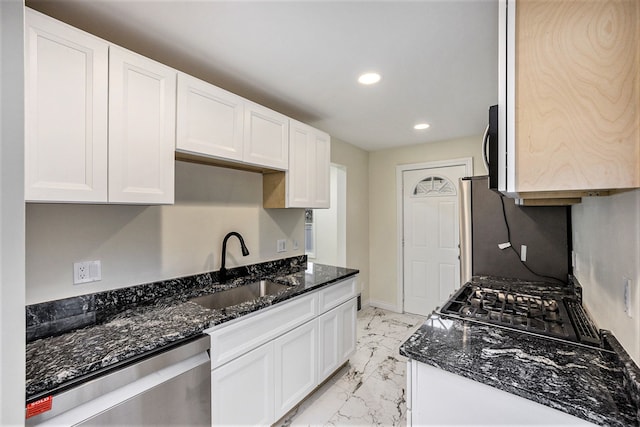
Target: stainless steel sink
x=240 y=294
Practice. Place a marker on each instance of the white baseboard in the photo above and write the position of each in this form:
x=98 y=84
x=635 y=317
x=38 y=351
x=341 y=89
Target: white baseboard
x=385 y=306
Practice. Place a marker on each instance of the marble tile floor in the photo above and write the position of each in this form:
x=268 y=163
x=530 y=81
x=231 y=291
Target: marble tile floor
x=370 y=389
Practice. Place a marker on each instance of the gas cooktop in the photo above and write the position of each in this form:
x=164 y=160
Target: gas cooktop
x=558 y=317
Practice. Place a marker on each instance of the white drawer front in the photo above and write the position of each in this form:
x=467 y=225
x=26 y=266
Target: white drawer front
x=238 y=338
x=335 y=295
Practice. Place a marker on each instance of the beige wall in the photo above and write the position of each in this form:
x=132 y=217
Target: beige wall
x=606 y=241
x=141 y=244
x=383 y=233
x=356 y=162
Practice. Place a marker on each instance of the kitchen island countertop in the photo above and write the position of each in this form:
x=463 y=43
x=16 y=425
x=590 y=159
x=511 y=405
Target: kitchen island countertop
x=587 y=382
x=60 y=361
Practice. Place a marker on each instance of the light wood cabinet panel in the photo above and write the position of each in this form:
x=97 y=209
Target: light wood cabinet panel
x=142 y=102
x=209 y=120
x=266 y=137
x=577 y=95
x=66 y=113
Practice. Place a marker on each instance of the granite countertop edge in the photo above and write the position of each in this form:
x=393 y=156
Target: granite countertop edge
x=512 y=347
x=57 y=362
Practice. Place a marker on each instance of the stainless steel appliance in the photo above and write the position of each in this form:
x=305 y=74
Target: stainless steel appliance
x=493 y=230
x=172 y=387
x=557 y=316
x=490 y=148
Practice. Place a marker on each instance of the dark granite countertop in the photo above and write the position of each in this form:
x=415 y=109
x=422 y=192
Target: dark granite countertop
x=598 y=385
x=57 y=361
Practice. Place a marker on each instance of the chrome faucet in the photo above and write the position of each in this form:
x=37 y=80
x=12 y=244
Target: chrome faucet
x=222 y=275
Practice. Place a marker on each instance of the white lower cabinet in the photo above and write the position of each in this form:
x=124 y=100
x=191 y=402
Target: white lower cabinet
x=435 y=397
x=265 y=364
x=259 y=387
x=295 y=366
x=348 y=335
x=242 y=390
x=337 y=331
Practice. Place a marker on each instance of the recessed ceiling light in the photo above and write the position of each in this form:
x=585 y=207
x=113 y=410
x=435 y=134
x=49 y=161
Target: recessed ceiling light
x=421 y=126
x=369 y=78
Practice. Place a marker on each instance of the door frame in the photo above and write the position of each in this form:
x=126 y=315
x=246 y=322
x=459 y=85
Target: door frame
x=467 y=162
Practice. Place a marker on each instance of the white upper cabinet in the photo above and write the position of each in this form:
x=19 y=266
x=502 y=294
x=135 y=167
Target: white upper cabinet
x=569 y=97
x=218 y=124
x=209 y=120
x=100 y=120
x=142 y=100
x=266 y=137
x=66 y=113
x=308 y=176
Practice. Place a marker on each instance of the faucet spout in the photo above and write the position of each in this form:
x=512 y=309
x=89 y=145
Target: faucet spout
x=223 y=271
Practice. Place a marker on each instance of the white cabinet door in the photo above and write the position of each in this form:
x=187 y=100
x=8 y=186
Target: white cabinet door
x=322 y=170
x=266 y=137
x=348 y=335
x=337 y=336
x=329 y=348
x=209 y=120
x=309 y=161
x=66 y=113
x=295 y=355
x=300 y=174
x=242 y=390
x=142 y=102
x=436 y=396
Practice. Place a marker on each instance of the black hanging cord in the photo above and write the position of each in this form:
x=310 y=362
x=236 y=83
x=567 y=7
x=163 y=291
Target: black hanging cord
x=506 y=223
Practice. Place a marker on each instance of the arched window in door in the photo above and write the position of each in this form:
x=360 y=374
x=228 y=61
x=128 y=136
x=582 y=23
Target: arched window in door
x=433 y=186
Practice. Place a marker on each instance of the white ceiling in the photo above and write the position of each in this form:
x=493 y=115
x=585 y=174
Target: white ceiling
x=438 y=59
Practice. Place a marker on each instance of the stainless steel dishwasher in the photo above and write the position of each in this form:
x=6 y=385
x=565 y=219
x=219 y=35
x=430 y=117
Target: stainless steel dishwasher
x=168 y=388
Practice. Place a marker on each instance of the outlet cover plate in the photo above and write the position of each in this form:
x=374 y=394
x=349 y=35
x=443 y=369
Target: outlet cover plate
x=86 y=272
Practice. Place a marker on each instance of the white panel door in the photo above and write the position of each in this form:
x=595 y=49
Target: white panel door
x=348 y=335
x=66 y=113
x=329 y=351
x=337 y=333
x=242 y=390
x=266 y=137
x=308 y=178
x=431 y=237
x=142 y=102
x=295 y=355
x=322 y=166
x=300 y=173
x=209 y=120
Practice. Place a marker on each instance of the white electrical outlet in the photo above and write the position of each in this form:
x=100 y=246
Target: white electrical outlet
x=295 y=245
x=86 y=271
x=281 y=245
x=523 y=253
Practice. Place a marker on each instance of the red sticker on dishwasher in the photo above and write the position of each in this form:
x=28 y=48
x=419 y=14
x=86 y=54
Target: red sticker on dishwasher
x=39 y=406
